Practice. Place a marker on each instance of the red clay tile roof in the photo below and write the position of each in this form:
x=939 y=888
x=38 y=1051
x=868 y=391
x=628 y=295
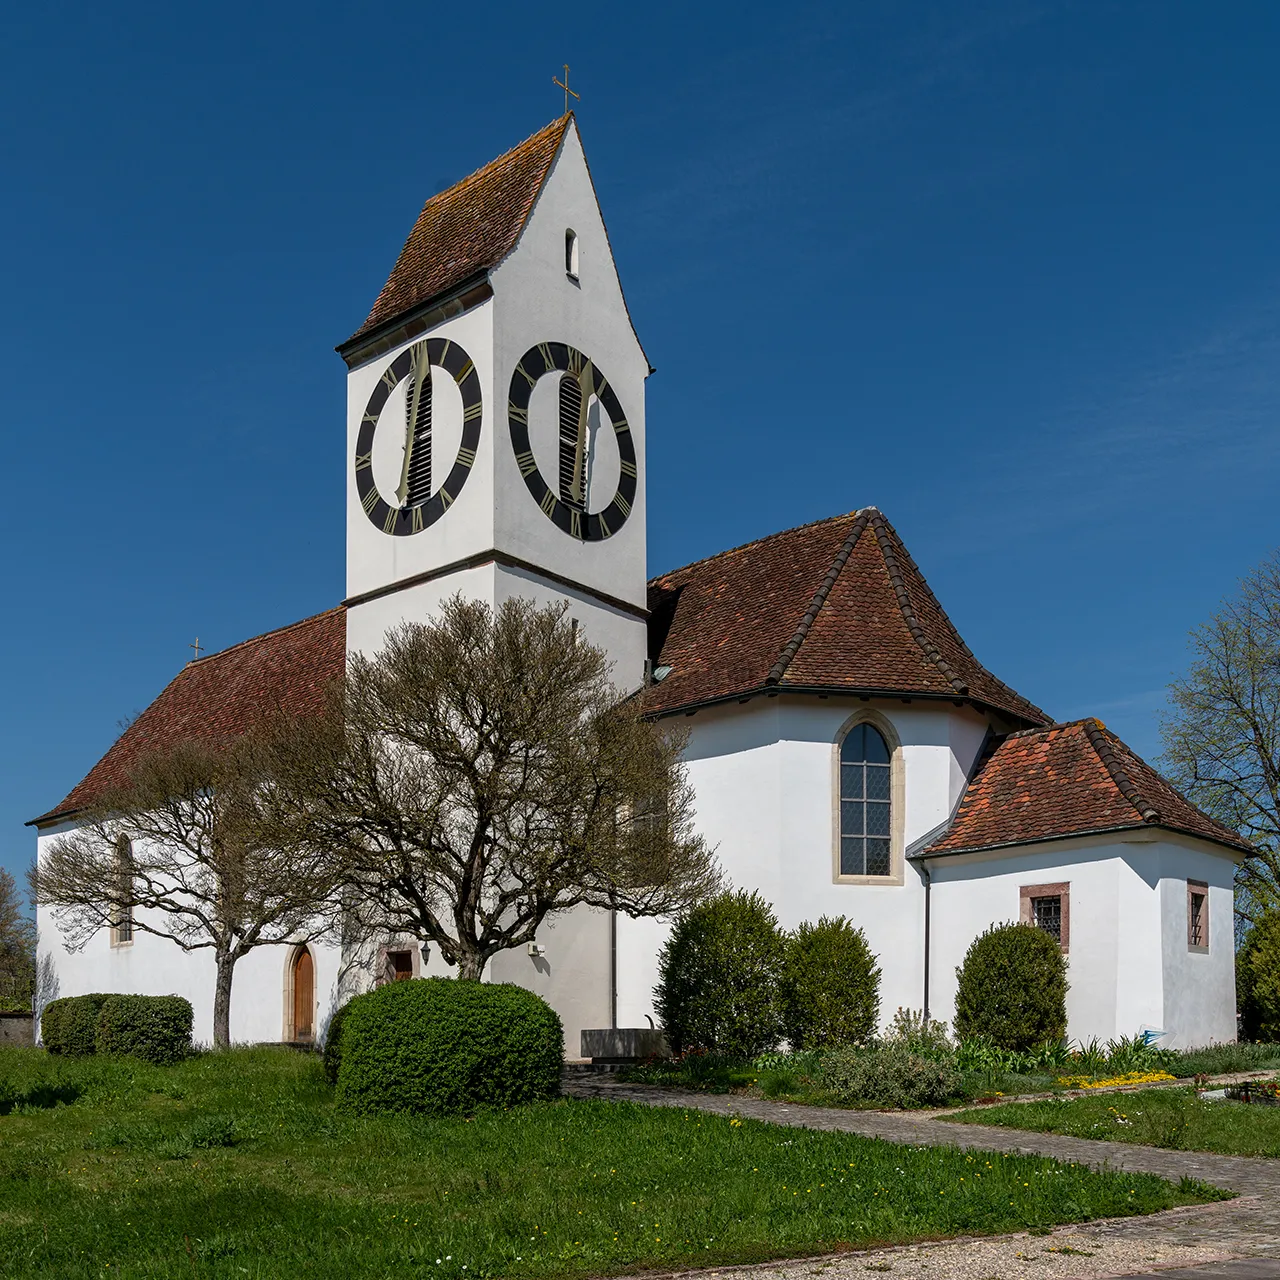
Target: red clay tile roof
x=836 y=605
x=1066 y=780
x=470 y=227
x=222 y=695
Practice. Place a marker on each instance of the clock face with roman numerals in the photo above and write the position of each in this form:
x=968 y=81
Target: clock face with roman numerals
x=420 y=499
x=585 y=402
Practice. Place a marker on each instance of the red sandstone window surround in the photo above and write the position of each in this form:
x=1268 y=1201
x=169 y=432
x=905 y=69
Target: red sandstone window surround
x=1048 y=907
x=1197 y=915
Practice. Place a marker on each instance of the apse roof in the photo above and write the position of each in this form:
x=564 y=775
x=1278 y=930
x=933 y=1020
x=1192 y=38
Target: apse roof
x=467 y=229
x=219 y=697
x=837 y=606
x=1066 y=780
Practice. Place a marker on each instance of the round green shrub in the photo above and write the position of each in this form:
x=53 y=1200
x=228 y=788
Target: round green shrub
x=718 y=978
x=830 y=985
x=70 y=1025
x=154 y=1028
x=1258 y=980
x=889 y=1076
x=1012 y=988
x=332 y=1057
x=445 y=1046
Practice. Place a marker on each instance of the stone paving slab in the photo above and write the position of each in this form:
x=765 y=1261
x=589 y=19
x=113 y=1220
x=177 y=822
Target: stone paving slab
x=1245 y=1228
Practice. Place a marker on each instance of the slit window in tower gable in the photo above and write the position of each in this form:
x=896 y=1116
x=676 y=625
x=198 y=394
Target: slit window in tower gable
x=573 y=444
x=418 y=438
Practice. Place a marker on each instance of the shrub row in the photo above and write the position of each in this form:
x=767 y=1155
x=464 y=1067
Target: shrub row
x=444 y=1046
x=154 y=1028
x=731 y=982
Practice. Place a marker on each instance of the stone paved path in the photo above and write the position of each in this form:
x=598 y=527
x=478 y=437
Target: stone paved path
x=1245 y=1229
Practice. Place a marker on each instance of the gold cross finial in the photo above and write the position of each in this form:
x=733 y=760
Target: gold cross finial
x=565 y=86
x=196 y=647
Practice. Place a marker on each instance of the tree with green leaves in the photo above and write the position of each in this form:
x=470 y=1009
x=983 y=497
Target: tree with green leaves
x=1222 y=732
x=17 y=948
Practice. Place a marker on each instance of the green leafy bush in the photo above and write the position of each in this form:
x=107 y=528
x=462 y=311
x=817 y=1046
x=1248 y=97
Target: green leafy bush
x=445 y=1046
x=154 y=1028
x=718 y=978
x=830 y=985
x=69 y=1025
x=1258 y=980
x=1012 y=988
x=925 y=1036
x=333 y=1043
x=889 y=1076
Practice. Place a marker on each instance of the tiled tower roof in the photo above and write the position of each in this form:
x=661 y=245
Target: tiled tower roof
x=467 y=229
x=838 y=605
x=1065 y=780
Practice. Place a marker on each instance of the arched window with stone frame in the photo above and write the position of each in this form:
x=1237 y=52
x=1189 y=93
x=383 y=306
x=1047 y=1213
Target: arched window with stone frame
x=868 y=802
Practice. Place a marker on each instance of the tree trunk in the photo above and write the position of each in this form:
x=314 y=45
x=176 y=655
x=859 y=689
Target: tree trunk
x=222 y=1001
x=470 y=967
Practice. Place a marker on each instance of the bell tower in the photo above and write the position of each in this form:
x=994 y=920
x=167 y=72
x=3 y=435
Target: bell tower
x=495 y=412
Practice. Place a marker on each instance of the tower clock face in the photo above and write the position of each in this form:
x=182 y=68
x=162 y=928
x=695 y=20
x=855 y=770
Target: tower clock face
x=420 y=499
x=580 y=497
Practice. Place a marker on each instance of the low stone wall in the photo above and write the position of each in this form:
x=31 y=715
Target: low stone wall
x=16 y=1028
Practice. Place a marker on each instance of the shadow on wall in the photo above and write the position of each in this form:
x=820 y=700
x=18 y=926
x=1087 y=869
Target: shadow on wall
x=47 y=988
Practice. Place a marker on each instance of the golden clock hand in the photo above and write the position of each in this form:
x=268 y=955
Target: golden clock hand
x=578 y=489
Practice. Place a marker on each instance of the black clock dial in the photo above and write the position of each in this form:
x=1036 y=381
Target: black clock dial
x=415 y=505
x=564 y=503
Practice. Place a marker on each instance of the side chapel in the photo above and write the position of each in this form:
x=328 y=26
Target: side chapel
x=849 y=754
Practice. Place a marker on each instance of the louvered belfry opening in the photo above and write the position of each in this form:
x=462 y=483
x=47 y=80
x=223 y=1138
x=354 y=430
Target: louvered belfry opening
x=418 y=434
x=572 y=444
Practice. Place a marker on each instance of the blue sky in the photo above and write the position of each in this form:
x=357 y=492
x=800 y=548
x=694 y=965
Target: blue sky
x=1009 y=271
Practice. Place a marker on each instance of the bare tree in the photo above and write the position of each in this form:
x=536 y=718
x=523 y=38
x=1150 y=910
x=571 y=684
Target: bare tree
x=481 y=774
x=1222 y=734
x=17 y=946
x=178 y=851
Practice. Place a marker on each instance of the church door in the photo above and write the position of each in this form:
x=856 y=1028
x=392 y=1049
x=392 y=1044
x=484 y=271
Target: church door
x=304 y=996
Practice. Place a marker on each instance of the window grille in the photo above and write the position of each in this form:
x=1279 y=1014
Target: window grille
x=1198 y=914
x=864 y=803
x=1046 y=914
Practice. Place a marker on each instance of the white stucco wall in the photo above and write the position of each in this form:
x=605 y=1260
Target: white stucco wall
x=764 y=775
x=150 y=965
x=1128 y=962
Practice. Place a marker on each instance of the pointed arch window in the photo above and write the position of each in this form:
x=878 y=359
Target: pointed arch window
x=865 y=804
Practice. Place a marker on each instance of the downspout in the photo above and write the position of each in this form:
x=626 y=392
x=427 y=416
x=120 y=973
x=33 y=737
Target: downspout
x=928 y=903
x=613 y=967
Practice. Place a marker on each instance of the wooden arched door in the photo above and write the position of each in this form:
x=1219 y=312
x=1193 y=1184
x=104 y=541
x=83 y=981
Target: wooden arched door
x=304 y=995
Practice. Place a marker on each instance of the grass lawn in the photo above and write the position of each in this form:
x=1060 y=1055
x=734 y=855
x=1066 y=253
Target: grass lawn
x=1172 y=1118
x=238 y=1165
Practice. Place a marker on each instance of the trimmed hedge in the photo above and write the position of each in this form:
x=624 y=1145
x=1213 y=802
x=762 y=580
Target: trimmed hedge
x=1012 y=988
x=445 y=1046
x=154 y=1028
x=70 y=1025
x=830 y=986
x=889 y=1076
x=718 y=978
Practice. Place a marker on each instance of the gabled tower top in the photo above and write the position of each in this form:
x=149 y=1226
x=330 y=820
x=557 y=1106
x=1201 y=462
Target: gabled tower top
x=461 y=234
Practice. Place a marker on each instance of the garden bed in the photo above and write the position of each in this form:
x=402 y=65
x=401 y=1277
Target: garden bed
x=239 y=1164
x=1174 y=1118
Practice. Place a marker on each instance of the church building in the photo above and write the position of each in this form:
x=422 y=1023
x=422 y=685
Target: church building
x=848 y=753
